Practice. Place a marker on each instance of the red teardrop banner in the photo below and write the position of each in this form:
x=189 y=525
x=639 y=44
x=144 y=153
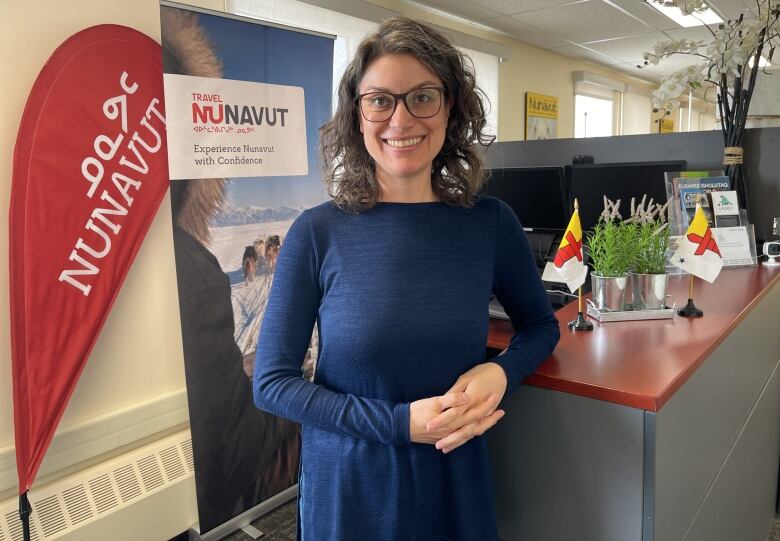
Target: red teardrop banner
x=89 y=173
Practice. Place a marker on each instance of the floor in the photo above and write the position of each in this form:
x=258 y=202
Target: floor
x=279 y=525
x=774 y=535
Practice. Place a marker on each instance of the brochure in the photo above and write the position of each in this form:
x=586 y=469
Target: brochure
x=678 y=222
x=696 y=191
x=725 y=209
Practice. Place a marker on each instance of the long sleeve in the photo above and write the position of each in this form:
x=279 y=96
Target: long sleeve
x=279 y=386
x=519 y=289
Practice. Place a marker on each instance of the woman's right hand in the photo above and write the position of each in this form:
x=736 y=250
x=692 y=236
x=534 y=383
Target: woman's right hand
x=421 y=412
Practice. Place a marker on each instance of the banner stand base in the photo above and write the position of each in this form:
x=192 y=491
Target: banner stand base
x=252 y=532
x=244 y=519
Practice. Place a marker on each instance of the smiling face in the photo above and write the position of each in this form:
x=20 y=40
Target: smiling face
x=403 y=147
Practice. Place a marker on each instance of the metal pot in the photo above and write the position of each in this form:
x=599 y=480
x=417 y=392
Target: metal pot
x=649 y=291
x=609 y=292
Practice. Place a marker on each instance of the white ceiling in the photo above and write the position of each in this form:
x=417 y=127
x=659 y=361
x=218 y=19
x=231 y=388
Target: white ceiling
x=613 y=33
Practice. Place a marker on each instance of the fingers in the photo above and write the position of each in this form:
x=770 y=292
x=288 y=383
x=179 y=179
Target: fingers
x=460 y=385
x=447 y=418
x=453 y=400
x=464 y=434
x=454 y=418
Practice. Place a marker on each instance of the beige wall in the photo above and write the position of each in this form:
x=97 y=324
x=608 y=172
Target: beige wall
x=638 y=111
x=138 y=356
x=535 y=70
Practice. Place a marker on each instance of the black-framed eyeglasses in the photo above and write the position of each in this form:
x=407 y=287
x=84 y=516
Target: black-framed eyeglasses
x=420 y=102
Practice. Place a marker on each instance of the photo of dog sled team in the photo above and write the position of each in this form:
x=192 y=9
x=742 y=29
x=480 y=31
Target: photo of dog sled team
x=260 y=256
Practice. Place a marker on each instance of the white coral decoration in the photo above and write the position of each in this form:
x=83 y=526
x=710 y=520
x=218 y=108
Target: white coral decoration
x=611 y=210
x=648 y=212
x=673 y=46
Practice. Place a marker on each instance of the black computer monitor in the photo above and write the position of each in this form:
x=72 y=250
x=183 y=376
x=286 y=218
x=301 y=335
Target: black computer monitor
x=590 y=183
x=536 y=194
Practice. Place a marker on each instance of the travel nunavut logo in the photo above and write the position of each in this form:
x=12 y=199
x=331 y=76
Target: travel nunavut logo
x=226 y=128
x=211 y=115
x=209 y=112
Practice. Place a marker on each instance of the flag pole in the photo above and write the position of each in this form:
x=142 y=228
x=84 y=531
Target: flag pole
x=690 y=309
x=25 y=510
x=579 y=324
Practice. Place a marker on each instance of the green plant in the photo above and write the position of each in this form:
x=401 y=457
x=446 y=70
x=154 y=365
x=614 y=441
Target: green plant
x=610 y=249
x=651 y=237
x=652 y=245
x=612 y=243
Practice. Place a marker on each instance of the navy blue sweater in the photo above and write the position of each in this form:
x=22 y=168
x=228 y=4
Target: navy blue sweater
x=400 y=295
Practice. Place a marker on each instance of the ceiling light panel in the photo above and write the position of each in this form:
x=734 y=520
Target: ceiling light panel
x=687 y=21
x=643 y=11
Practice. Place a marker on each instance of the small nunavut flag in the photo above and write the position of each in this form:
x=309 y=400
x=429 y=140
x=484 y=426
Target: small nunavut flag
x=698 y=252
x=569 y=263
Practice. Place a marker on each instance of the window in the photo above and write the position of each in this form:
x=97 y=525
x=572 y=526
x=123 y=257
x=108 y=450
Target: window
x=595 y=101
x=592 y=117
x=486 y=70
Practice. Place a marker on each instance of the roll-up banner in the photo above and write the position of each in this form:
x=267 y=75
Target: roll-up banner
x=244 y=103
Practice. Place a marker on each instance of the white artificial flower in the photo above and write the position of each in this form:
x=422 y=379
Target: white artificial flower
x=727 y=55
x=676 y=84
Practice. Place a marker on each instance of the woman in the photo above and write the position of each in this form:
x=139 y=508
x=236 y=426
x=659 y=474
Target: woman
x=401 y=388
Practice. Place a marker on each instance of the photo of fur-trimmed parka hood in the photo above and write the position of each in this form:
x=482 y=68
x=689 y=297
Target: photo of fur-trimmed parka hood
x=187 y=51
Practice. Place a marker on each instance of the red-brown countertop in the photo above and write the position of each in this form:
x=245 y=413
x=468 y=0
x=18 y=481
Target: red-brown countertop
x=642 y=363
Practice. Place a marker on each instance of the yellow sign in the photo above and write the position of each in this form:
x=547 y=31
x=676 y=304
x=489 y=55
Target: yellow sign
x=667 y=125
x=540 y=105
x=541 y=116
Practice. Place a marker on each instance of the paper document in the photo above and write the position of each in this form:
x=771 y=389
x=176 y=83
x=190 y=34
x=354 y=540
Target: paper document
x=734 y=246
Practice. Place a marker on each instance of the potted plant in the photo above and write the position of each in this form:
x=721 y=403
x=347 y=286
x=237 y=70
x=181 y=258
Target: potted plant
x=648 y=275
x=730 y=62
x=610 y=247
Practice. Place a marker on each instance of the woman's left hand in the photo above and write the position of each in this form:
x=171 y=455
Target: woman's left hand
x=485 y=384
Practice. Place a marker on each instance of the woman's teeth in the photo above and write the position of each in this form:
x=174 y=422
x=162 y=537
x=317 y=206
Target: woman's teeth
x=400 y=143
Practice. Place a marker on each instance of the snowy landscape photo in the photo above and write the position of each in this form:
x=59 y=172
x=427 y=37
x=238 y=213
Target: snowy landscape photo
x=247 y=234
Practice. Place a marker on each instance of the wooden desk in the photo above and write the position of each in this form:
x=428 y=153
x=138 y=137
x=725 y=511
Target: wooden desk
x=652 y=431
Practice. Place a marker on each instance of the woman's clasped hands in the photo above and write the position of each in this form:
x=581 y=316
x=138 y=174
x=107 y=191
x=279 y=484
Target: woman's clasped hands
x=466 y=410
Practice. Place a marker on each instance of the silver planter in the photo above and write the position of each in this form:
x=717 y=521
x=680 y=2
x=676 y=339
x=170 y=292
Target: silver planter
x=609 y=292
x=649 y=291
x=628 y=298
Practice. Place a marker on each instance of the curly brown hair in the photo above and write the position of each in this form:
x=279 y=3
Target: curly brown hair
x=457 y=172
